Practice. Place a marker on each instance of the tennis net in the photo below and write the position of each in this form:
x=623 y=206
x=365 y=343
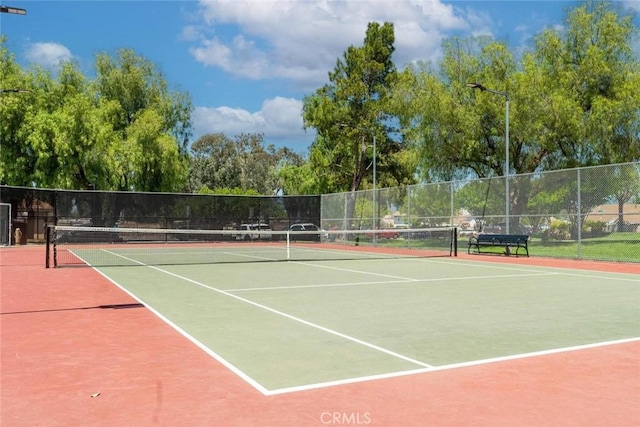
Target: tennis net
x=111 y=246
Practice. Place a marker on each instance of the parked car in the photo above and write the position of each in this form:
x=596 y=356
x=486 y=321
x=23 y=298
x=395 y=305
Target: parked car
x=247 y=232
x=520 y=229
x=316 y=234
x=420 y=234
x=491 y=229
x=385 y=233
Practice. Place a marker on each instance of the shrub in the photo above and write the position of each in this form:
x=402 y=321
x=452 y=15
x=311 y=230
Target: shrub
x=558 y=230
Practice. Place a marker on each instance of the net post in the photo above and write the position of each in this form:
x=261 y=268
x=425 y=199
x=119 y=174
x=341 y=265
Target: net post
x=454 y=241
x=47 y=234
x=288 y=246
x=54 y=240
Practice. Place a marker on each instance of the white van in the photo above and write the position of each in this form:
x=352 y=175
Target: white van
x=247 y=232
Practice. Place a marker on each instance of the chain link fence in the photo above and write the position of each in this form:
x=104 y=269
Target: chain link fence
x=584 y=213
x=32 y=209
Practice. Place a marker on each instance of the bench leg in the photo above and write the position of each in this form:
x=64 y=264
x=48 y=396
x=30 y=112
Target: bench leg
x=471 y=246
x=526 y=250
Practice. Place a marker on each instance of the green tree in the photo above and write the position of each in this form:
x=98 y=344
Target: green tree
x=455 y=132
x=149 y=120
x=241 y=164
x=214 y=163
x=572 y=101
x=57 y=133
x=622 y=184
x=350 y=113
x=299 y=179
x=135 y=83
x=587 y=75
x=16 y=165
x=350 y=110
x=122 y=131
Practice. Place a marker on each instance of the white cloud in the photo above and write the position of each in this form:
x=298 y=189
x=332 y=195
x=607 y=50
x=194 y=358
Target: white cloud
x=190 y=33
x=301 y=40
x=240 y=57
x=634 y=7
x=632 y=4
x=279 y=118
x=48 y=55
x=480 y=24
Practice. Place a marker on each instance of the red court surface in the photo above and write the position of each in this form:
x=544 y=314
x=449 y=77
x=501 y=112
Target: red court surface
x=76 y=350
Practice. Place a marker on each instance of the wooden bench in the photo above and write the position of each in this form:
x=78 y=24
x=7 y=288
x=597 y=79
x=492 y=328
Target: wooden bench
x=507 y=241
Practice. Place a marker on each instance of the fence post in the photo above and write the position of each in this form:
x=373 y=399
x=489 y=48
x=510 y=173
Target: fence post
x=579 y=209
x=451 y=202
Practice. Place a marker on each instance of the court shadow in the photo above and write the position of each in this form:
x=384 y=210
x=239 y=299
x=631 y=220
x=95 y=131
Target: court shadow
x=104 y=306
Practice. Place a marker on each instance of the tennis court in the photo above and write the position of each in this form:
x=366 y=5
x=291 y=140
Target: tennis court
x=374 y=336
x=288 y=326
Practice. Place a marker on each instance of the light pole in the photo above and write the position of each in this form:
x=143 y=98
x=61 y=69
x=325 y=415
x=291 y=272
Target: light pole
x=13 y=91
x=506 y=149
x=374 y=203
x=14 y=10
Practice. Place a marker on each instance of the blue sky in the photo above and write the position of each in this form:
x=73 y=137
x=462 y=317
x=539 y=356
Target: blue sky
x=248 y=63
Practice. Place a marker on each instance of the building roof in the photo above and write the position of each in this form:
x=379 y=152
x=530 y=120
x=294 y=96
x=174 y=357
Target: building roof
x=609 y=212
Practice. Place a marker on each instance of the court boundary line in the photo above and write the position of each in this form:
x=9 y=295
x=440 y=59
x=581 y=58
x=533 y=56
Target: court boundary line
x=364 y=256
x=296 y=319
x=570 y=271
x=329 y=285
x=500 y=359
x=350 y=270
x=267 y=392
x=594 y=276
x=402 y=281
x=271 y=310
x=189 y=337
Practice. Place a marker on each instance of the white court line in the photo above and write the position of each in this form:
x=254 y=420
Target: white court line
x=595 y=276
x=361 y=256
x=267 y=392
x=350 y=270
x=448 y=367
x=416 y=281
x=297 y=319
x=280 y=313
x=251 y=256
x=327 y=285
x=185 y=334
x=429 y=260
x=481 y=264
x=610 y=275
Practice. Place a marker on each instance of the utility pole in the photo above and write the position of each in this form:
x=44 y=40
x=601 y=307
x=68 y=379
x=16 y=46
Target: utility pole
x=506 y=148
x=374 y=201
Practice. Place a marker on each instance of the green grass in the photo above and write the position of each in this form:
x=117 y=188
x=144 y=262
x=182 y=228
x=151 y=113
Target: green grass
x=615 y=246
x=623 y=247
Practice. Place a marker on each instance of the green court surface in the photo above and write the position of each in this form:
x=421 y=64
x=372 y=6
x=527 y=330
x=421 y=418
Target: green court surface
x=286 y=326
